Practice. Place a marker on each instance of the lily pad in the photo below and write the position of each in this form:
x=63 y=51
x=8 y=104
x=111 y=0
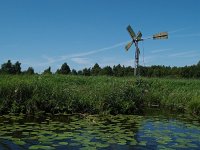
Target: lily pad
x=63 y=143
x=19 y=142
x=42 y=147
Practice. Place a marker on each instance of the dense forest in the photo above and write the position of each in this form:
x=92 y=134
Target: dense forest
x=192 y=71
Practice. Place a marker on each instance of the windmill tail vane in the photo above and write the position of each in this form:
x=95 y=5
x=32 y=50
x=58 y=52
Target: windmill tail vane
x=161 y=35
x=137 y=38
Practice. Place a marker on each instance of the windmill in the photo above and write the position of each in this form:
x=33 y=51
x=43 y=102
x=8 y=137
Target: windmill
x=137 y=38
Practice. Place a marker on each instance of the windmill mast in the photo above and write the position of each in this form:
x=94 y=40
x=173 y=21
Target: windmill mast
x=137 y=52
x=136 y=39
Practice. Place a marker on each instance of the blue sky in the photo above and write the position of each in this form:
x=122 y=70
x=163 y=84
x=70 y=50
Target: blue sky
x=42 y=33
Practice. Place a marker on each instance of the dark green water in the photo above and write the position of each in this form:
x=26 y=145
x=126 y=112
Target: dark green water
x=99 y=132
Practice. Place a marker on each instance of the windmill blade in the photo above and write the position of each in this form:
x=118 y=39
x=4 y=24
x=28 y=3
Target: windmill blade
x=128 y=45
x=131 y=32
x=161 y=35
x=139 y=36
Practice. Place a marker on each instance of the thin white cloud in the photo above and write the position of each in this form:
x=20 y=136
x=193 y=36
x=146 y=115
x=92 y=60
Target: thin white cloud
x=78 y=58
x=90 y=52
x=82 y=61
x=177 y=30
x=108 y=61
x=187 y=35
x=97 y=50
x=149 y=60
x=130 y=62
x=161 y=50
x=184 y=54
x=172 y=33
x=51 y=60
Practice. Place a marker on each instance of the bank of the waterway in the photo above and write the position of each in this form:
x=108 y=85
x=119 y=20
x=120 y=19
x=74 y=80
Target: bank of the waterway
x=95 y=95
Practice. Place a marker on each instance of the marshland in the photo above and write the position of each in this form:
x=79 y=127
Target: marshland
x=98 y=112
x=32 y=94
x=99 y=74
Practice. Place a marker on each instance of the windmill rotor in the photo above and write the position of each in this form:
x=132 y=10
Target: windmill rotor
x=137 y=38
x=128 y=45
x=131 y=32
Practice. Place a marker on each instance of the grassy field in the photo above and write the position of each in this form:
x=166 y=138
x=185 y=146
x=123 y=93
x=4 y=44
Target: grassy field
x=94 y=95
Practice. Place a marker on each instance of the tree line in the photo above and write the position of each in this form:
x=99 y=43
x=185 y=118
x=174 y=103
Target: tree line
x=192 y=71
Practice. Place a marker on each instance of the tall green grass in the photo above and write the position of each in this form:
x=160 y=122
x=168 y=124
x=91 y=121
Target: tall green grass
x=80 y=94
x=69 y=94
x=179 y=94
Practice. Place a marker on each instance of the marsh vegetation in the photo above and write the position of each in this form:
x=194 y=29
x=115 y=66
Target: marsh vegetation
x=94 y=95
x=59 y=111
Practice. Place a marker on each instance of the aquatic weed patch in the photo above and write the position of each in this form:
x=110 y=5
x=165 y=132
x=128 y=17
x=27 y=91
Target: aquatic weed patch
x=100 y=132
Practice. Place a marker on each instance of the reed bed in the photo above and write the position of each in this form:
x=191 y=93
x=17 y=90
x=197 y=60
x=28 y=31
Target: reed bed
x=32 y=94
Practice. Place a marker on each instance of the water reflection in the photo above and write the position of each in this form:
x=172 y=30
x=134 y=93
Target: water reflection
x=99 y=132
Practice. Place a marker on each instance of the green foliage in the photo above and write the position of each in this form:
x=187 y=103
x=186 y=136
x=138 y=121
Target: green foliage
x=30 y=71
x=118 y=71
x=9 y=68
x=71 y=94
x=80 y=72
x=17 y=67
x=95 y=70
x=78 y=94
x=74 y=72
x=47 y=71
x=198 y=64
x=65 y=69
x=106 y=71
x=86 y=72
x=176 y=94
x=194 y=105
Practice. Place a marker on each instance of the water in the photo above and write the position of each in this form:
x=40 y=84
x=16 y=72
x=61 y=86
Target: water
x=150 y=131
